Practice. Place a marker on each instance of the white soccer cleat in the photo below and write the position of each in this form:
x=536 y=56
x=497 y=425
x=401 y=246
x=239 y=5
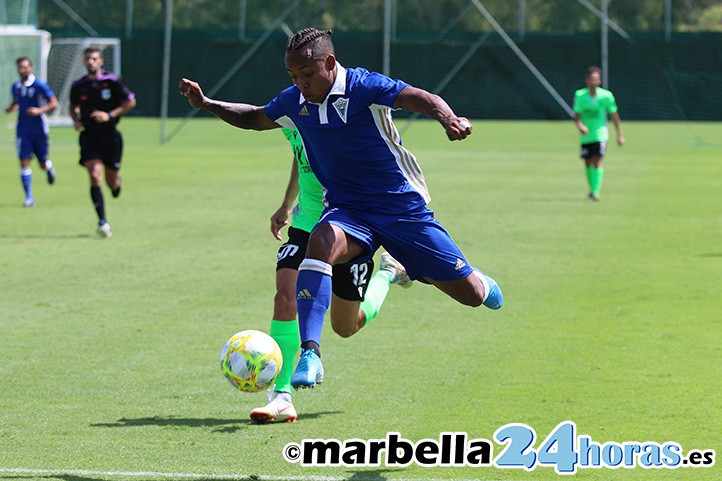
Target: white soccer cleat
x=104 y=230
x=279 y=409
x=393 y=266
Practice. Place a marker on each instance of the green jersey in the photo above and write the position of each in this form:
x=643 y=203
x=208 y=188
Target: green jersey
x=310 y=197
x=593 y=110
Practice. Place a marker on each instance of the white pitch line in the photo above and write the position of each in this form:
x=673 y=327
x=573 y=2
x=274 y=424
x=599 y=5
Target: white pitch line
x=153 y=474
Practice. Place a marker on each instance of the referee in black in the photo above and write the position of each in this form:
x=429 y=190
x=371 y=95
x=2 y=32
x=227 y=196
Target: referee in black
x=97 y=101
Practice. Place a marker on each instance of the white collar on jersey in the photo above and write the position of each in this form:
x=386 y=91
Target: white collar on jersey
x=338 y=87
x=30 y=80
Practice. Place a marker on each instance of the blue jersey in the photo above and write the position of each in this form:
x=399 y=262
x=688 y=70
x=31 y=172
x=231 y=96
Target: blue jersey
x=32 y=93
x=353 y=145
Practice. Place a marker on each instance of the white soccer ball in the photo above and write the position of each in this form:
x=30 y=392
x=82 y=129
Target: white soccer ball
x=251 y=360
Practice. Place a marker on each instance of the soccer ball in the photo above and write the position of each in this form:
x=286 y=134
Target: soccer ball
x=251 y=360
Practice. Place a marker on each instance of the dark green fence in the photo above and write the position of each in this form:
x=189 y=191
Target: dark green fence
x=652 y=79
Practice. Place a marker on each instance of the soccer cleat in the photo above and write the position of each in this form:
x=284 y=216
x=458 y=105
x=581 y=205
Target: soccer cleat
x=29 y=202
x=279 y=409
x=593 y=197
x=494 y=298
x=104 y=230
x=309 y=370
x=400 y=277
x=51 y=175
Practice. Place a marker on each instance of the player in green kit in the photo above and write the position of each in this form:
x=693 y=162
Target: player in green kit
x=357 y=296
x=592 y=104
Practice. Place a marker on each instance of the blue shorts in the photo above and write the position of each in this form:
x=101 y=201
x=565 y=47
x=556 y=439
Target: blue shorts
x=415 y=239
x=33 y=143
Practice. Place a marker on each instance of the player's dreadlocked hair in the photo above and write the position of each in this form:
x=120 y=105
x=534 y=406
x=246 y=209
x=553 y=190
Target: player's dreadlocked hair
x=316 y=41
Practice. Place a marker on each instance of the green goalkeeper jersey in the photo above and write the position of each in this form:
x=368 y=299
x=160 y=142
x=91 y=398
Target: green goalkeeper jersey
x=310 y=197
x=593 y=111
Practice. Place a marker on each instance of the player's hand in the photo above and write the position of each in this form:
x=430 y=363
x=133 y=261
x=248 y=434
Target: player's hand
x=278 y=220
x=33 y=111
x=100 y=116
x=78 y=125
x=583 y=129
x=458 y=129
x=193 y=91
x=620 y=140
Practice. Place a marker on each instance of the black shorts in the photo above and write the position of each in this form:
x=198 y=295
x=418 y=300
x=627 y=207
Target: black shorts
x=105 y=145
x=350 y=280
x=595 y=149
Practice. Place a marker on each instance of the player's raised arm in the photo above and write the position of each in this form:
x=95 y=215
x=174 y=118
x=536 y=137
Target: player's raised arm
x=243 y=116
x=418 y=100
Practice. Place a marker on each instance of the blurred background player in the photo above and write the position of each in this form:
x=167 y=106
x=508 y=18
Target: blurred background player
x=32 y=98
x=592 y=104
x=356 y=299
x=97 y=101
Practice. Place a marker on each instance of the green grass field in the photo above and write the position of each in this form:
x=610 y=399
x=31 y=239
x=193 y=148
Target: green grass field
x=613 y=317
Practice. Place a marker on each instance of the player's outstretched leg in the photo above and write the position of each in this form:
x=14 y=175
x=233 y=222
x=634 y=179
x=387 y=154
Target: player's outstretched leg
x=279 y=409
x=493 y=299
x=309 y=370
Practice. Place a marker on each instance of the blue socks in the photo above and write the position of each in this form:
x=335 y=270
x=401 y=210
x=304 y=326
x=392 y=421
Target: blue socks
x=26 y=177
x=313 y=298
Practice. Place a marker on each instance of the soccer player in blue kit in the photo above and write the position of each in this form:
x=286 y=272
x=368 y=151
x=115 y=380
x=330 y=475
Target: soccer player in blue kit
x=375 y=191
x=32 y=98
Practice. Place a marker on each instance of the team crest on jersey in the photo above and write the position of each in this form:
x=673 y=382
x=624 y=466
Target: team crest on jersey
x=341 y=106
x=105 y=94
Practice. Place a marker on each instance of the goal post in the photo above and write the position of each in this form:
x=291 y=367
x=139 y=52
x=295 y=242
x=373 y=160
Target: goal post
x=65 y=66
x=17 y=41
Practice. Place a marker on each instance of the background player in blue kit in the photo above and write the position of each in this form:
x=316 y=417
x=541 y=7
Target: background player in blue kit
x=97 y=101
x=375 y=191
x=32 y=98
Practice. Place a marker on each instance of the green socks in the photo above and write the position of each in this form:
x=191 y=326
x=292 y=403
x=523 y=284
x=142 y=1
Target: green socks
x=594 y=178
x=376 y=294
x=288 y=338
x=287 y=335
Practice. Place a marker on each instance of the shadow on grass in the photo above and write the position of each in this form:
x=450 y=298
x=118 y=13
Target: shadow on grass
x=371 y=475
x=218 y=424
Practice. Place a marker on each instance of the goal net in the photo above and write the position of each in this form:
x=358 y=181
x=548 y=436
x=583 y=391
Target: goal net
x=18 y=41
x=65 y=66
